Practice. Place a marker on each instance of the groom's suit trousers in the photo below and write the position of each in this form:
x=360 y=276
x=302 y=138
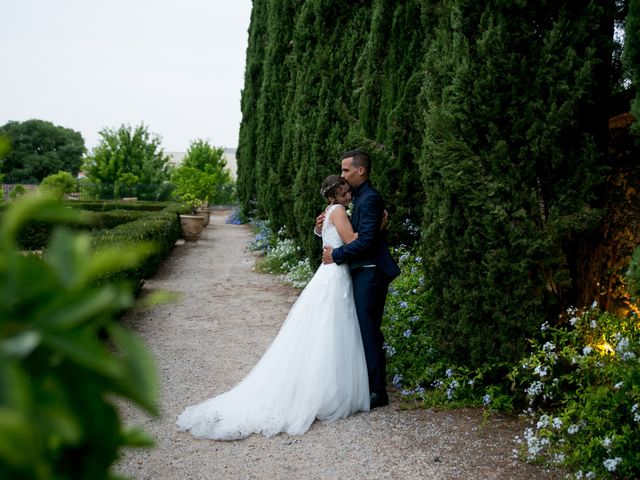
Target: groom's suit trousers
x=370 y=288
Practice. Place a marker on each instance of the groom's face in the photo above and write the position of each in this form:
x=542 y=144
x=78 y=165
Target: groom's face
x=353 y=175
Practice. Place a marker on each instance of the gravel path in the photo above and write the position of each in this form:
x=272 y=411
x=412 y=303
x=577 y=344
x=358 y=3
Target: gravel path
x=207 y=342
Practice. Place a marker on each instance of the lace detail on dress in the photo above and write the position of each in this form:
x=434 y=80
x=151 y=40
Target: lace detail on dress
x=330 y=236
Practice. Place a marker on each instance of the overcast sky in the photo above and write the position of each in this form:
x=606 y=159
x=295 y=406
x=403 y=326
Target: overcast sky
x=175 y=65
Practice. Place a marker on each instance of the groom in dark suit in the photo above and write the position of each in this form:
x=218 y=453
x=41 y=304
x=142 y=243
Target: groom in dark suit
x=371 y=265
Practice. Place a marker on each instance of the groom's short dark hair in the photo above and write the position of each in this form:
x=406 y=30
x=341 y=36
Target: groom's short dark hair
x=360 y=159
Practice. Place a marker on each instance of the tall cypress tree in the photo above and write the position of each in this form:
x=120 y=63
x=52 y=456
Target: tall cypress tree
x=328 y=37
x=513 y=146
x=389 y=77
x=632 y=56
x=248 y=136
x=272 y=187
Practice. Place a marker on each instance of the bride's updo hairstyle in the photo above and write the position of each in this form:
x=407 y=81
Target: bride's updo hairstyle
x=330 y=186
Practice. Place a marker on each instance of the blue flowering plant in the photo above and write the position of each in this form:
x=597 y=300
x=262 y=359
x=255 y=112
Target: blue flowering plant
x=264 y=236
x=280 y=255
x=581 y=385
x=235 y=217
x=414 y=364
x=411 y=356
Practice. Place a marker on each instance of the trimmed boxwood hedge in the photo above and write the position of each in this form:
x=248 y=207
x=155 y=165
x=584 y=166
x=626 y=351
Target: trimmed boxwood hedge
x=161 y=228
x=34 y=235
x=114 y=223
x=103 y=206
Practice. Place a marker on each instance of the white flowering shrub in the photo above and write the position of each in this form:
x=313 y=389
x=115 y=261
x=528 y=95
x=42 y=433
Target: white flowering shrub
x=582 y=387
x=300 y=274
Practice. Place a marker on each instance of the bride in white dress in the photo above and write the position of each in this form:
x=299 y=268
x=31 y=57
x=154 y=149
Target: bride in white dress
x=315 y=367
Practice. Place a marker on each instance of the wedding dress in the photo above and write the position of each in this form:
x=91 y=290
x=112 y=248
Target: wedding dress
x=315 y=367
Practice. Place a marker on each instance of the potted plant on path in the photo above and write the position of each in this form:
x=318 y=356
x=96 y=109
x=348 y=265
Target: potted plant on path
x=192 y=188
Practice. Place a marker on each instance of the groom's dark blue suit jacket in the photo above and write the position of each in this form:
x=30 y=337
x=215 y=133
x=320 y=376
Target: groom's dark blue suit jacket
x=370 y=248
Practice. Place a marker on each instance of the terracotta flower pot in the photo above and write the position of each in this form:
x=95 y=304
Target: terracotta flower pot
x=206 y=213
x=192 y=226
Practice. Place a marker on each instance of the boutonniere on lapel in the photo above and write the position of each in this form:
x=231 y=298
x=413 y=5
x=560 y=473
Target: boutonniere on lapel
x=349 y=210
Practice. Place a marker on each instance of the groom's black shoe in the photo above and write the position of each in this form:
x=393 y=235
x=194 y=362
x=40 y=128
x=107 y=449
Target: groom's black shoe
x=378 y=400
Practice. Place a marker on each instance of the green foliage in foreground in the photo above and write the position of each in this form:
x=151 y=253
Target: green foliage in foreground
x=63 y=358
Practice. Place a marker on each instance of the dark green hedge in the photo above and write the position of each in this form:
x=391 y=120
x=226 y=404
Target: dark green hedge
x=110 y=227
x=35 y=234
x=107 y=205
x=161 y=228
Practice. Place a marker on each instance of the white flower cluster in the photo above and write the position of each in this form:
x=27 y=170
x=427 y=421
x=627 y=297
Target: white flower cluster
x=611 y=464
x=588 y=476
x=543 y=422
x=573 y=429
x=300 y=274
x=535 y=444
x=540 y=370
x=557 y=423
x=534 y=390
x=451 y=389
x=622 y=349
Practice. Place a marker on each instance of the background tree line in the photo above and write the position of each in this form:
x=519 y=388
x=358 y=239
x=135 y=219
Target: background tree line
x=128 y=162
x=488 y=127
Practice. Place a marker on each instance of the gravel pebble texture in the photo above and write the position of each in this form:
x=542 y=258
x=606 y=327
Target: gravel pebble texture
x=206 y=342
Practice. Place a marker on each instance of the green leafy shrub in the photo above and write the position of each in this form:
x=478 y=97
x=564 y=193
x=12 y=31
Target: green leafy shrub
x=204 y=157
x=35 y=234
x=17 y=191
x=59 y=183
x=63 y=358
x=113 y=218
x=193 y=187
x=411 y=358
x=582 y=383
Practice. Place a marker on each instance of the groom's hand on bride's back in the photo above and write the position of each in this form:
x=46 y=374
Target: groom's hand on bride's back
x=327 y=256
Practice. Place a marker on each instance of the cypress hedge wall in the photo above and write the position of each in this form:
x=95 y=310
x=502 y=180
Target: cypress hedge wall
x=487 y=126
x=632 y=55
x=513 y=153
